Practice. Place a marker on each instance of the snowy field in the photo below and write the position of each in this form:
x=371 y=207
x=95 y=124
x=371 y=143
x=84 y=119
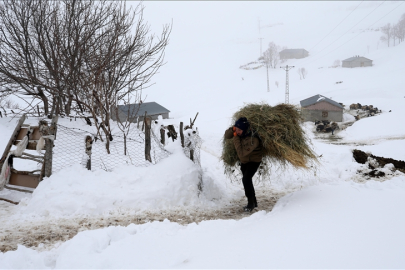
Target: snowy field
x=332 y=216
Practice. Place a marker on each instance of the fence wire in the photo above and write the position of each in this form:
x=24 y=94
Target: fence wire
x=69 y=149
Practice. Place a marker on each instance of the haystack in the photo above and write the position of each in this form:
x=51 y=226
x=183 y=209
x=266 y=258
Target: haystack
x=279 y=130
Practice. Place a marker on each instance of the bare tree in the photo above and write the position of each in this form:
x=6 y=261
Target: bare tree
x=42 y=43
x=19 y=65
x=302 y=72
x=271 y=56
x=127 y=116
x=122 y=64
x=270 y=59
x=85 y=55
x=336 y=63
x=276 y=83
x=399 y=29
x=387 y=31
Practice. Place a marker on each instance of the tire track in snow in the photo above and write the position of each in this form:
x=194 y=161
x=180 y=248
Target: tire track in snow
x=49 y=232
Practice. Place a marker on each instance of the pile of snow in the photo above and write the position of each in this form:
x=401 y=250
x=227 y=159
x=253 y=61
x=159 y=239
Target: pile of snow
x=341 y=225
x=170 y=184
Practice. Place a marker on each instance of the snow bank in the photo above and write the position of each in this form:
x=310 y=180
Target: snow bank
x=381 y=126
x=171 y=183
x=341 y=225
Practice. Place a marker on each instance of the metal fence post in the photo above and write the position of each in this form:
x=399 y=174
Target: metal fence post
x=181 y=134
x=147 y=122
x=89 y=144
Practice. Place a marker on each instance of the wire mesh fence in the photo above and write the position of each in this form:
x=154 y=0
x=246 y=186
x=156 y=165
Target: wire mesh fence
x=70 y=148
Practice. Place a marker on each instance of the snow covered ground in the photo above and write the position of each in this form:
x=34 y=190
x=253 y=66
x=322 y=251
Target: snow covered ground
x=331 y=217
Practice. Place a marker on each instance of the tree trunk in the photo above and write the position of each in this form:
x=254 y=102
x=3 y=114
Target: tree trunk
x=125 y=144
x=44 y=100
x=268 y=86
x=69 y=105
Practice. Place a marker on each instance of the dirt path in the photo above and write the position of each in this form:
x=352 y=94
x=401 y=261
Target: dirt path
x=50 y=232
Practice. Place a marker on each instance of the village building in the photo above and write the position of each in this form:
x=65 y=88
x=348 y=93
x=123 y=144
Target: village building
x=133 y=111
x=357 y=61
x=319 y=107
x=293 y=54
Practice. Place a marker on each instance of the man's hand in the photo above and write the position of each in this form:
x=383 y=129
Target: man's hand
x=234 y=131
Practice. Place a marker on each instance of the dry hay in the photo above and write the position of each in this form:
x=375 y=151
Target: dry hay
x=278 y=127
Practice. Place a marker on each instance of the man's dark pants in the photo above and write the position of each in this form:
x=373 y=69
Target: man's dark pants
x=248 y=170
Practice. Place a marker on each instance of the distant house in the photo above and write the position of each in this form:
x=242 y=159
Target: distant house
x=357 y=61
x=319 y=107
x=133 y=111
x=293 y=54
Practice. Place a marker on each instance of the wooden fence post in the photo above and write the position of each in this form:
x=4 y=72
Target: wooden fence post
x=162 y=136
x=147 y=123
x=49 y=135
x=181 y=134
x=192 y=154
x=144 y=119
x=89 y=144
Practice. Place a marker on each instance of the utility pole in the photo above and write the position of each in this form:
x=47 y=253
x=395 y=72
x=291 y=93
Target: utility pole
x=261 y=53
x=260 y=38
x=287 y=86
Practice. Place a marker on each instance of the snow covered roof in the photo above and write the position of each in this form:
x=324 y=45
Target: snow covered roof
x=318 y=98
x=356 y=58
x=152 y=108
x=293 y=50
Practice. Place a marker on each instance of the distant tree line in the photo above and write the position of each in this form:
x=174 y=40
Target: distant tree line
x=395 y=32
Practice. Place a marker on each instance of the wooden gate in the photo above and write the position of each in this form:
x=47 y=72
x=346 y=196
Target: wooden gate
x=24 y=181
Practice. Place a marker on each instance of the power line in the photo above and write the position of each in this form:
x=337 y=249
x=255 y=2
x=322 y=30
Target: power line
x=348 y=30
x=356 y=35
x=337 y=25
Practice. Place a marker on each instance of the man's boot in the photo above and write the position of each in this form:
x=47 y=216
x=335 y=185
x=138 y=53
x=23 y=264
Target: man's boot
x=251 y=204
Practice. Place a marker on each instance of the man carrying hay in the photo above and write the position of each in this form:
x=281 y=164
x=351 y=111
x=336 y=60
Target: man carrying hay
x=273 y=135
x=249 y=150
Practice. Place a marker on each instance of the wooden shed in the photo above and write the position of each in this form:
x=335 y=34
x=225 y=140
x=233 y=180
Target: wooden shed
x=293 y=54
x=357 y=61
x=133 y=111
x=319 y=107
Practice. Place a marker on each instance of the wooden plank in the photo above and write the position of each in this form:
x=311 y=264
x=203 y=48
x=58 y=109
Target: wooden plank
x=24 y=180
x=19 y=188
x=9 y=201
x=12 y=139
x=35 y=135
x=32 y=145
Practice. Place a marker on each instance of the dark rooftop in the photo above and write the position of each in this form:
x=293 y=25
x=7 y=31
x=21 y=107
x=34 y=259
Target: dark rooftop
x=152 y=108
x=318 y=98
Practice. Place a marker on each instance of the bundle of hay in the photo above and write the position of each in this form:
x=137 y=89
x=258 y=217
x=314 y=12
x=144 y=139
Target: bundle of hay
x=282 y=137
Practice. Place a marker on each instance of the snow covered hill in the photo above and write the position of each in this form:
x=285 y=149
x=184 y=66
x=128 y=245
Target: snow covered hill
x=331 y=217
